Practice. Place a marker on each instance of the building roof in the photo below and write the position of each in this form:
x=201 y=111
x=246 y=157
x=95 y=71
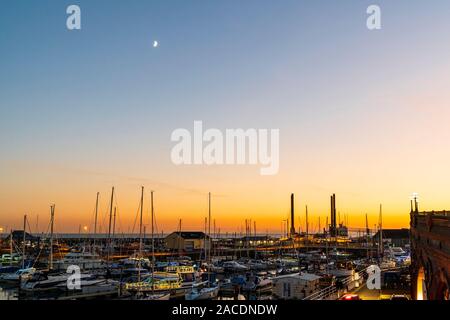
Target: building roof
x=190 y=234
x=394 y=234
x=17 y=235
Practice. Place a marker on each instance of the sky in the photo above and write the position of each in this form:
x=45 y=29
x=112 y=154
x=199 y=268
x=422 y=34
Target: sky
x=362 y=114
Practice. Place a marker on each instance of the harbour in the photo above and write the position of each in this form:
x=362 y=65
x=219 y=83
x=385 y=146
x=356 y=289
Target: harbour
x=331 y=263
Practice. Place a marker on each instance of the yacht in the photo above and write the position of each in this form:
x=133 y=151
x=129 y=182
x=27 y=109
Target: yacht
x=257 y=283
x=91 y=287
x=85 y=260
x=233 y=266
x=159 y=281
x=205 y=293
x=21 y=274
x=155 y=296
x=396 y=252
x=40 y=281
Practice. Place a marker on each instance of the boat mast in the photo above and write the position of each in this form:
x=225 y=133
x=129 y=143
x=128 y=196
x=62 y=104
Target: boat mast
x=109 y=227
x=209 y=236
x=95 y=220
x=114 y=223
x=10 y=246
x=204 y=242
x=140 y=234
x=24 y=238
x=179 y=238
x=381 y=231
x=319 y=225
x=52 y=217
x=367 y=235
x=307 y=224
x=153 y=239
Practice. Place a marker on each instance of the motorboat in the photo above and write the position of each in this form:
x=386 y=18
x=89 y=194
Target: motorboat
x=40 y=281
x=135 y=262
x=234 y=266
x=85 y=260
x=159 y=281
x=396 y=252
x=388 y=264
x=92 y=287
x=205 y=293
x=8 y=269
x=256 y=283
x=155 y=296
x=21 y=274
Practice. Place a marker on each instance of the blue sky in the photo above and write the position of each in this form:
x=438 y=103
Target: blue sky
x=102 y=98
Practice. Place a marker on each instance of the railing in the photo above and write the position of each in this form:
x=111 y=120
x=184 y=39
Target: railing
x=332 y=292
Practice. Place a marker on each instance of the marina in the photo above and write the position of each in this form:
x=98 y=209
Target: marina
x=202 y=265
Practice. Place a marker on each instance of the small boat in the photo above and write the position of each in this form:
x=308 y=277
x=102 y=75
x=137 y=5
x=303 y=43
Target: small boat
x=135 y=262
x=206 y=293
x=85 y=260
x=40 y=281
x=256 y=283
x=388 y=264
x=135 y=273
x=234 y=266
x=395 y=252
x=21 y=274
x=90 y=289
x=10 y=269
x=155 y=297
x=160 y=281
x=255 y=264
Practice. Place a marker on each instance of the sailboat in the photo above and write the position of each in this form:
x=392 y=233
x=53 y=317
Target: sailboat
x=156 y=286
x=210 y=291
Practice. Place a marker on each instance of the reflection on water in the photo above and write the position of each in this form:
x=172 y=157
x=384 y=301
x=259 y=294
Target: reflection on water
x=8 y=294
